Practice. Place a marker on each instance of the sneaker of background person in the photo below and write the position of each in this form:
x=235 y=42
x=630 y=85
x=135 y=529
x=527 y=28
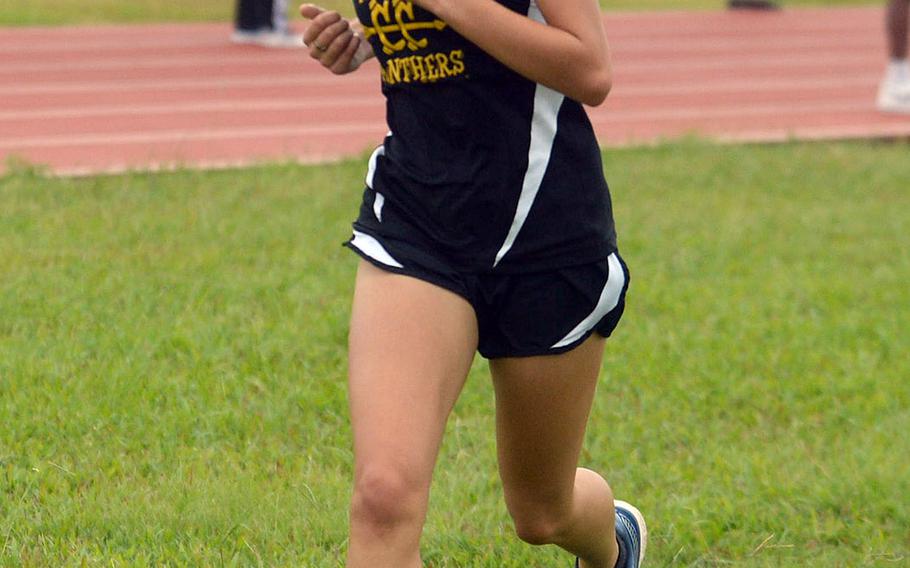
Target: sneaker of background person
x=894 y=91
x=268 y=37
x=752 y=5
x=894 y=96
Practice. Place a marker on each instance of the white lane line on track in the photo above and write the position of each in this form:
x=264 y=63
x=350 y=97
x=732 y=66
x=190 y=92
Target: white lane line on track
x=77 y=45
x=817 y=133
x=768 y=45
x=177 y=165
x=608 y=116
x=819 y=65
x=218 y=60
x=826 y=60
x=734 y=85
x=356 y=83
x=196 y=107
x=823 y=18
x=297 y=79
x=689 y=29
x=766 y=30
x=609 y=112
x=89 y=139
x=861 y=40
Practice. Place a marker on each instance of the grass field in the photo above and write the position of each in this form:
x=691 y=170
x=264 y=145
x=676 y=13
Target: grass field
x=172 y=362
x=36 y=12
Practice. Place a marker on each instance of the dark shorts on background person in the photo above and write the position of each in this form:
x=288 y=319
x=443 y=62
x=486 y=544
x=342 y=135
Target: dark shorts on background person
x=518 y=314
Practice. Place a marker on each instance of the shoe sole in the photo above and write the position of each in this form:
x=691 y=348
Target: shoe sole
x=294 y=41
x=893 y=99
x=642 y=528
x=894 y=108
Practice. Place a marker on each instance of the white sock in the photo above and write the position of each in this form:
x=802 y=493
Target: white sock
x=898 y=71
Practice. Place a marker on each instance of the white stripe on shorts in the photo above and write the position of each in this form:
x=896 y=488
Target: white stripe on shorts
x=609 y=297
x=374 y=249
x=371 y=168
x=377 y=206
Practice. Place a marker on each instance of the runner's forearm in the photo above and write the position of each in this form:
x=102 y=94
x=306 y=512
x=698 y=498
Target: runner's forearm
x=572 y=61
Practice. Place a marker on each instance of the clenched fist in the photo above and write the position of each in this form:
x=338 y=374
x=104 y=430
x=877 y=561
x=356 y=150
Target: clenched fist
x=338 y=44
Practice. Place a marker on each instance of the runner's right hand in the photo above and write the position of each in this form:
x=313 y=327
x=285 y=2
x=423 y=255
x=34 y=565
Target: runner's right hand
x=338 y=44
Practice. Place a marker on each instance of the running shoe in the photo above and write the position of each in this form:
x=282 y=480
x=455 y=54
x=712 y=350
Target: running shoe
x=631 y=534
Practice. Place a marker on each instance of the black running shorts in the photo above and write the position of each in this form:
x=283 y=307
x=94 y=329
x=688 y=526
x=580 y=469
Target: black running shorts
x=518 y=314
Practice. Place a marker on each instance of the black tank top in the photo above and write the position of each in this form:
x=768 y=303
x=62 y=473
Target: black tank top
x=495 y=171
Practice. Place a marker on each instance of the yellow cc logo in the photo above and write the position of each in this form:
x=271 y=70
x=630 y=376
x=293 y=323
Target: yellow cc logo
x=396 y=18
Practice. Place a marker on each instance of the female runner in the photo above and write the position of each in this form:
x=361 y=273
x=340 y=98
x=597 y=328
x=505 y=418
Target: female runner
x=486 y=225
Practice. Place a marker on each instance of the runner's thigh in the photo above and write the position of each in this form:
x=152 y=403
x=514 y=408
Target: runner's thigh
x=411 y=347
x=542 y=407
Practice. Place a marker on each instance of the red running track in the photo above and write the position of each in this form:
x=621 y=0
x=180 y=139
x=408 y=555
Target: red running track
x=112 y=98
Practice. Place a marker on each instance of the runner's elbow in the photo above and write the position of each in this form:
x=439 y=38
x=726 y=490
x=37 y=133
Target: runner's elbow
x=596 y=88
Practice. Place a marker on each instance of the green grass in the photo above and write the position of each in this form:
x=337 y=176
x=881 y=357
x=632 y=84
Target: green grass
x=172 y=363
x=56 y=12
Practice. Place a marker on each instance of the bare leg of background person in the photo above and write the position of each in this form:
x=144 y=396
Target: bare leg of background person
x=411 y=346
x=542 y=407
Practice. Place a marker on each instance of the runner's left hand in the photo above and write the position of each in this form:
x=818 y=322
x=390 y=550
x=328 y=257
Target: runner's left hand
x=333 y=40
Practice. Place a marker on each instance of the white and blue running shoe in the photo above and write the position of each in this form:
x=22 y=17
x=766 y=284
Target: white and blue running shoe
x=631 y=534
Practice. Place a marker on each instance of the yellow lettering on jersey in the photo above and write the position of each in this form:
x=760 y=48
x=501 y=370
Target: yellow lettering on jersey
x=457 y=58
x=423 y=68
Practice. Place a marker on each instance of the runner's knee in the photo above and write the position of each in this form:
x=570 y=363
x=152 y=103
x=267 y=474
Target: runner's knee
x=539 y=520
x=387 y=497
x=541 y=527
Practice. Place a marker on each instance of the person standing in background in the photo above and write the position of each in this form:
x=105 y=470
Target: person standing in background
x=752 y=5
x=265 y=23
x=894 y=91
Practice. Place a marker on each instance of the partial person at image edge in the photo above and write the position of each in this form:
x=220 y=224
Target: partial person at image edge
x=752 y=5
x=894 y=91
x=264 y=23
